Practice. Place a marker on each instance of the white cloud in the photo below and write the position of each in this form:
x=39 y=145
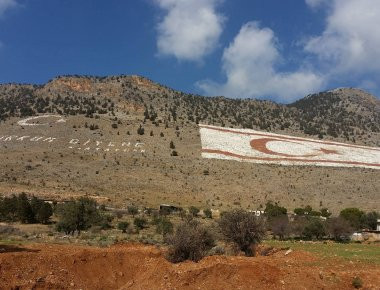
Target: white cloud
x=190 y=29
x=6 y=4
x=316 y=3
x=249 y=64
x=349 y=45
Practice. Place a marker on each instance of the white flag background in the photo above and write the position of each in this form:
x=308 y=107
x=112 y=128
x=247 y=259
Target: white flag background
x=261 y=147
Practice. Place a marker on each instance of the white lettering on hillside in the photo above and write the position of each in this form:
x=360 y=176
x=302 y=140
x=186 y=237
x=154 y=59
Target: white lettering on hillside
x=76 y=144
x=36 y=120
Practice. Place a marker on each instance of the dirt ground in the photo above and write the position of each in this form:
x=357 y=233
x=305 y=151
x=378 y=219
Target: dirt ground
x=136 y=266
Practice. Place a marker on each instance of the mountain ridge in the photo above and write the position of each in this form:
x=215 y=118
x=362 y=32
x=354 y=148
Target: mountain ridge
x=343 y=114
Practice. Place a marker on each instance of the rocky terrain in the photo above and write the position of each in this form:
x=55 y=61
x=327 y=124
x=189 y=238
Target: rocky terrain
x=97 y=149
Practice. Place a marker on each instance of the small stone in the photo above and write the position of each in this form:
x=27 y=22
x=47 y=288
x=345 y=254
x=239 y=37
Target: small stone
x=288 y=252
x=40 y=279
x=320 y=275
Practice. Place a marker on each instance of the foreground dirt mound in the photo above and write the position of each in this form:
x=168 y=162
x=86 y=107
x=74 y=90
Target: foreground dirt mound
x=134 y=266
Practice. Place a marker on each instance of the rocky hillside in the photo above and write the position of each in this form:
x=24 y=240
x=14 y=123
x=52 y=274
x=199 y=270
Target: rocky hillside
x=107 y=116
x=349 y=115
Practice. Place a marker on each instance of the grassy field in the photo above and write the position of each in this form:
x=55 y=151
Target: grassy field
x=369 y=253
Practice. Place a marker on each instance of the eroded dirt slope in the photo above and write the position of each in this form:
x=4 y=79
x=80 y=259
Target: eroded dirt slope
x=134 y=266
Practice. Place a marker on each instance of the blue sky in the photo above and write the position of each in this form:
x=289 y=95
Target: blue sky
x=279 y=50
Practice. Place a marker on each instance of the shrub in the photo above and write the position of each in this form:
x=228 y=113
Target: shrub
x=75 y=216
x=191 y=241
x=369 y=220
x=20 y=208
x=274 y=210
x=123 y=226
x=339 y=229
x=172 y=146
x=193 y=211
x=314 y=229
x=354 y=216
x=298 y=225
x=44 y=212
x=325 y=212
x=243 y=228
x=163 y=226
x=132 y=210
x=217 y=251
x=140 y=130
x=24 y=209
x=280 y=226
x=208 y=213
x=299 y=211
x=357 y=283
x=140 y=223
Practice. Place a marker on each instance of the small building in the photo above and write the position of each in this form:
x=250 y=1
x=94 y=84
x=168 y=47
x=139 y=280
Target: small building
x=368 y=235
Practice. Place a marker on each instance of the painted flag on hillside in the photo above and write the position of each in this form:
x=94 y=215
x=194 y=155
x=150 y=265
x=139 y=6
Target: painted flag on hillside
x=262 y=147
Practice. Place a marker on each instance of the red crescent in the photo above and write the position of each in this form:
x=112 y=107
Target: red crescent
x=261 y=146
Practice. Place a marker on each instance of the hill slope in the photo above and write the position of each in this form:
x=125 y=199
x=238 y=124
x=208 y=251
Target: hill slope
x=112 y=110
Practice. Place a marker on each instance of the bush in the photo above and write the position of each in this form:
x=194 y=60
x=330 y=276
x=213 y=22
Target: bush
x=123 y=226
x=191 y=241
x=298 y=225
x=299 y=211
x=24 y=210
x=20 y=208
x=274 y=210
x=314 y=229
x=44 y=212
x=75 y=216
x=140 y=130
x=325 y=212
x=193 y=211
x=354 y=216
x=163 y=226
x=280 y=226
x=339 y=229
x=140 y=223
x=357 y=283
x=217 y=251
x=369 y=220
x=132 y=210
x=208 y=213
x=243 y=228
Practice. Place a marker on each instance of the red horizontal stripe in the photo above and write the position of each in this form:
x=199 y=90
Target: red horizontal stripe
x=226 y=153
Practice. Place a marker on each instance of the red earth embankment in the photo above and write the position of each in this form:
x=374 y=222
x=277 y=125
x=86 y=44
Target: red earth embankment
x=135 y=266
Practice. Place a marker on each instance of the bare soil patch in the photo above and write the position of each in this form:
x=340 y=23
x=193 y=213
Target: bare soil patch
x=136 y=266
